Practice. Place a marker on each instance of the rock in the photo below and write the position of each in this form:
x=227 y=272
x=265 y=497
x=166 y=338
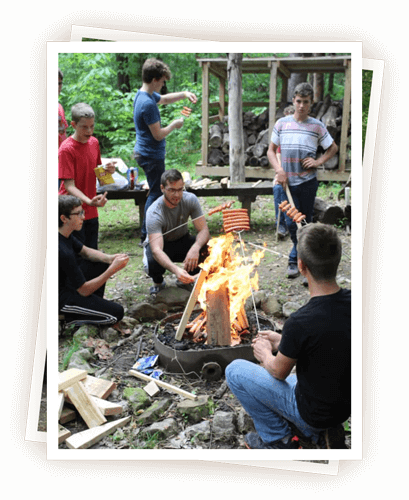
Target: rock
x=289 y=308
x=84 y=332
x=127 y=322
x=80 y=359
x=194 y=411
x=154 y=412
x=165 y=428
x=259 y=297
x=244 y=422
x=137 y=397
x=271 y=306
x=198 y=432
x=173 y=296
x=145 y=311
x=110 y=335
x=223 y=425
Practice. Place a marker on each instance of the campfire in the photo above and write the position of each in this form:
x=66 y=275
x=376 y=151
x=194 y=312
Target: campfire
x=224 y=284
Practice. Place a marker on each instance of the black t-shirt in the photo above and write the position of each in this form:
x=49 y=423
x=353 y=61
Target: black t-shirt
x=318 y=336
x=70 y=275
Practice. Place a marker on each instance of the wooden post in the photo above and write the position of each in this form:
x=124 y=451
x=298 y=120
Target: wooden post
x=273 y=91
x=205 y=112
x=345 y=118
x=237 y=159
x=218 y=316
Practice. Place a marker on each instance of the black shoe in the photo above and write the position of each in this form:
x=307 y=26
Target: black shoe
x=292 y=271
x=254 y=442
x=282 y=232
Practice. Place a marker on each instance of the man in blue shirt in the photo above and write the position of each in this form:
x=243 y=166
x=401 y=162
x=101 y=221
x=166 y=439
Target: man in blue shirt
x=150 y=144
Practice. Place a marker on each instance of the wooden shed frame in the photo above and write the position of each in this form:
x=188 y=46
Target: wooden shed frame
x=276 y=67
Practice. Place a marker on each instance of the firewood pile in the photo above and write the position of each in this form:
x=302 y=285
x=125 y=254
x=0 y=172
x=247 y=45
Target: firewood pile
x=256 y=134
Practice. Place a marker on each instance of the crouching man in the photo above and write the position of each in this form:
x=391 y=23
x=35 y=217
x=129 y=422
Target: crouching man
x=168 y=239
x=82 y=281
x=317 y=340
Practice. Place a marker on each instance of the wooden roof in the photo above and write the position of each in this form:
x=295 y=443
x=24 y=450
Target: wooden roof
x=286 y=65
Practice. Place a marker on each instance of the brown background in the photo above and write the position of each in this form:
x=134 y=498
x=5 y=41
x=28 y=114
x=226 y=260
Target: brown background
x=23 y=205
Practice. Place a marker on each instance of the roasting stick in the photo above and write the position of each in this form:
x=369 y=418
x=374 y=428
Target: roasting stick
x=290 y=199
x=251 y=288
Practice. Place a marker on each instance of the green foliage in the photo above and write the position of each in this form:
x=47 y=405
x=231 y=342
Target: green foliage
x=366 y=95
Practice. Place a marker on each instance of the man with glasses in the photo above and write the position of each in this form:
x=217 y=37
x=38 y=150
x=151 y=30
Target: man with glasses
x=82 y=281
x=169 y=240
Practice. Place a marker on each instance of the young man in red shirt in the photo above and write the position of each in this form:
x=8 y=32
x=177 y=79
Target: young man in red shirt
x=78 y=156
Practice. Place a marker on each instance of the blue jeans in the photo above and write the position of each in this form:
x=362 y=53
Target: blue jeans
x=279 y=196
x=269 y=402
x=153 y=170
x=303 y=196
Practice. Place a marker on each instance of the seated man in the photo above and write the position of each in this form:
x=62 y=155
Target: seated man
x=82 y=283
x=317 y=339
x=169 y=240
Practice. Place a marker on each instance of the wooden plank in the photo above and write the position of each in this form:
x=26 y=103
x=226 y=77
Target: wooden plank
x=60 y=403
x=70 y=377
x=152 y=388
x=99 y=387
x=165 y=385
x=190 y=304
x=86 y=407
x=67 y=415
x=107 y=408
x=63 y=434
x=88 y=438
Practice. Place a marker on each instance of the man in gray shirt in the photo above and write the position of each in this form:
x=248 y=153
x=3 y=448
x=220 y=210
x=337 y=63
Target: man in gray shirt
x=168 y=238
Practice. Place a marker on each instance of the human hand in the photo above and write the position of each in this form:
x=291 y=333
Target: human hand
x=110 y=167
x=262 y=349
x=99 y=200
x=184 y=277
x=281 y=177
x=192 y=98
x=309 y=163
x=273 y=337
x=178 y=123
x=119 y=261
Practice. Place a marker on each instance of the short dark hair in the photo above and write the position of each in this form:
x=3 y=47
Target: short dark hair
x=154 y=68
x=320 y=248
x=171 y=175
x=304 y=89
x=66 y=203
x=81 y=110
x=60 y=74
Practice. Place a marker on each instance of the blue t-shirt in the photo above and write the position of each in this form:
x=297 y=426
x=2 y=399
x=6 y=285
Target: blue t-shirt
x=299 y=140
x=145 y=113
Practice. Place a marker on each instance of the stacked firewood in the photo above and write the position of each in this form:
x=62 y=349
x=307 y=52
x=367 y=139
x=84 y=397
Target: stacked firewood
x=256 y=134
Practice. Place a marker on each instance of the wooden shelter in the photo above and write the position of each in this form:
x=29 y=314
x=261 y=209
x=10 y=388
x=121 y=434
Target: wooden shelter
x=276 y=68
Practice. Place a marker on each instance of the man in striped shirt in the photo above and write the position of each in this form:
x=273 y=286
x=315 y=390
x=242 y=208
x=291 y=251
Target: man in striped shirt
x=299 y=137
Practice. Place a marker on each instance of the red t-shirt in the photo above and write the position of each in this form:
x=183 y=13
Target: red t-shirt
x=77 y=161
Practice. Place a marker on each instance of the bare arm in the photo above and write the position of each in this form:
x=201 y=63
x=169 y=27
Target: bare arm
x=99 y=200
x=160 y=133
x=278 y=366
x=177 y=96
x=192 y=257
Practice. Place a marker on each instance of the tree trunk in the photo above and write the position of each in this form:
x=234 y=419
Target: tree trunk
x=237 y=171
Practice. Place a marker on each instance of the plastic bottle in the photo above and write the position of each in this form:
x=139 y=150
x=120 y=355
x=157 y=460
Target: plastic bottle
x=132 y=179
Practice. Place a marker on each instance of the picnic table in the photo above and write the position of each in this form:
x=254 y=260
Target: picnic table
x=246 y=193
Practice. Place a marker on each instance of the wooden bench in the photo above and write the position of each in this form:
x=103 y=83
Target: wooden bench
x=245 y=193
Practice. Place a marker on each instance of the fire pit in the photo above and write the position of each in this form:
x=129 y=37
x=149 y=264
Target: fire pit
x=206 y=341
x=200 y=359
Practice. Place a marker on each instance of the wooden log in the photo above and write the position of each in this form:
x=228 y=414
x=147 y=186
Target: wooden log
x=226 y=143
x=253 y=161
x=216 y=157
x=218 y=316
x=327 y=214
x=86 y=439
x=259 y=150
x=236 y=162
x=83 y=403
x=329 y=120
x=215 y=135
x=264 y=162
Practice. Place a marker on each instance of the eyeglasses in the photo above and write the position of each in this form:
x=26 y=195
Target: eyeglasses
x=81 y=213
x=174 y=191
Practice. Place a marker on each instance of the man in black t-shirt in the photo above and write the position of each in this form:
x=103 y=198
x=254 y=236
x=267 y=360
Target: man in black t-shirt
x=317 y=340
x=82 y=281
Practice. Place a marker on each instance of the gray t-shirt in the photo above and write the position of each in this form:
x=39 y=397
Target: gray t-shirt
x=161 y=219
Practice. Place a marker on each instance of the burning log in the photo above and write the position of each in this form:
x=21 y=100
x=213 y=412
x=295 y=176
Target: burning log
x=218 y=316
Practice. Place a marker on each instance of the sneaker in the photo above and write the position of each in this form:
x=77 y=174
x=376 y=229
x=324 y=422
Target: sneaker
x=292 y=271
x=254 y=442
x=282 y=232
x=155 y=289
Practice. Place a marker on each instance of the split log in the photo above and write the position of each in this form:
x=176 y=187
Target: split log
x=226 y=143
x=259 y=150
x=216 y=157
x=218 y=316
x=329 y=120
x=327 y=214
x=215 y=136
